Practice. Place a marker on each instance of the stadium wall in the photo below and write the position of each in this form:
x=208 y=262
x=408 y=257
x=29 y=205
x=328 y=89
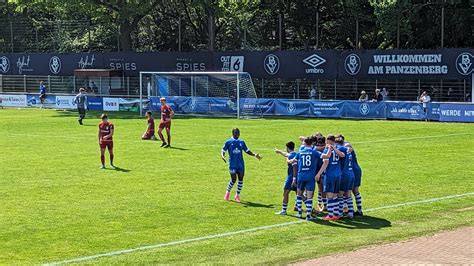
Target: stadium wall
x=213 y=106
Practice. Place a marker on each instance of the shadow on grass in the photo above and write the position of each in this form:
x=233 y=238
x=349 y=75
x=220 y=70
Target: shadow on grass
x=177 y=148
x=360 y=222
x=118 y=169
x=256 y=205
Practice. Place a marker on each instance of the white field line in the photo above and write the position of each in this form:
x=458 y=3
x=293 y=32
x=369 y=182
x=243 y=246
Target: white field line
x=93 y=138
x=261 y=228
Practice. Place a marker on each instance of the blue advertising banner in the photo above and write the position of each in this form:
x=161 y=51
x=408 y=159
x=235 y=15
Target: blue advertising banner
x=433 y=111
x=259 y=106
x=356 y=109
x=197 y=105
x=445 y=112
x=34 y=101
x=327 y=108
x=405 y=110
x=292 y=107
x=95 y=103
x=449 y=112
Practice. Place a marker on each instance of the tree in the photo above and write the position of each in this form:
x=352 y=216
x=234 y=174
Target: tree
x=127 y=15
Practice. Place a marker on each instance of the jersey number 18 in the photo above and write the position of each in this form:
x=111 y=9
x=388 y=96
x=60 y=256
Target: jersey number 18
x=306 y=160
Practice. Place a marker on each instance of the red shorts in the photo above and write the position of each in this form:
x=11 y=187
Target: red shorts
x=165 y=125
x=148 y=135
x=106 y=144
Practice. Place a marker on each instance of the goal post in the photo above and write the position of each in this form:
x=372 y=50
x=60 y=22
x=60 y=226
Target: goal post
x=201 y=93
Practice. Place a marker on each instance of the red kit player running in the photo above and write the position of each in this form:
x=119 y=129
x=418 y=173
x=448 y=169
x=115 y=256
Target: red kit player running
x=150 y=130
x=106 y=131
x=166 y=114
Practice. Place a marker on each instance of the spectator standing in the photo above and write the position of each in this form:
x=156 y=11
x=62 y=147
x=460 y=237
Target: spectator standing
x=384 y=94
x=377 y=96
x=95 y=89
x=313 y=92
x=424 y=99
x=363 y=97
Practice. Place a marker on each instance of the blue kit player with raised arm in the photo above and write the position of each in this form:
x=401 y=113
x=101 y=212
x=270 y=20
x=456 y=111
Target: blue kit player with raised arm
x=235 y=147
x=292 y=172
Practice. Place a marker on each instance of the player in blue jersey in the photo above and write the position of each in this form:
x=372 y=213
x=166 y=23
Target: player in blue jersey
x=357 y=180
x=235 y=147
x=42 y=93
x=319 y=143
x=347 y=177
x=332 y=178
x=308 y=174
x=289 y=185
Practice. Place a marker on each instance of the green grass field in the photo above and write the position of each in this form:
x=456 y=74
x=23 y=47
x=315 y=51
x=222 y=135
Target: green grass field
x=56 y=204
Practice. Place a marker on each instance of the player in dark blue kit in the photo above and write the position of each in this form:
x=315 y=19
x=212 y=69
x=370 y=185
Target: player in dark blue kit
x=319 y=143
x=357 y=180
x=347 y=177
x=289 y=185
x=235 y=146
x=332 y=178
x=42 y=94
x=308 y=174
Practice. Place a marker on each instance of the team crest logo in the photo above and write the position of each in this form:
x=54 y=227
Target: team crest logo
x=364 y=108
x=55 y=65
x=352 y=64
x=291 y=108
x=271 y=64
x=4 y=64
x=465 y=63
x=417 y=109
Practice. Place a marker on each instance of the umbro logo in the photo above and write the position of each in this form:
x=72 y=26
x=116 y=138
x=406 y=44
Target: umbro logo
x=314 y=61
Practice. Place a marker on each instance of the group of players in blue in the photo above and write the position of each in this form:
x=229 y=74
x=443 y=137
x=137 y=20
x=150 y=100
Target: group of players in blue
x=331 y=164
x=328 y=162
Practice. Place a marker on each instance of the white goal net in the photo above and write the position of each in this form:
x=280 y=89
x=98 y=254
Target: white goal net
x=201 y=93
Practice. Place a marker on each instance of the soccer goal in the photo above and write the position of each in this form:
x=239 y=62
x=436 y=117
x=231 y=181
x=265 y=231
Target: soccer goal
x=201 y=93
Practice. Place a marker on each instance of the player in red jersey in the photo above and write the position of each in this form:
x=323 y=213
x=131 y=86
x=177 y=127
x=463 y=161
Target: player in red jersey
x=106 y=131
x=150 y=130
x=166 y=114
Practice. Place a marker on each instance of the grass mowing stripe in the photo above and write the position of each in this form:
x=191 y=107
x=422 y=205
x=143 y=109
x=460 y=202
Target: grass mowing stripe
x=265 y=148
x=179 y=242
x=413 y=138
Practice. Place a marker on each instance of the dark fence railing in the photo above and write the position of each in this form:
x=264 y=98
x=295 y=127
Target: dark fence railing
x=441 y=90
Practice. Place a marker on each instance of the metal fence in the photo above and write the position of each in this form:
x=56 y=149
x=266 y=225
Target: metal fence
x=19 y=36
x=441 y=90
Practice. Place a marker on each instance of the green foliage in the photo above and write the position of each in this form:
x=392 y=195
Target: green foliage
x=111 y=25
